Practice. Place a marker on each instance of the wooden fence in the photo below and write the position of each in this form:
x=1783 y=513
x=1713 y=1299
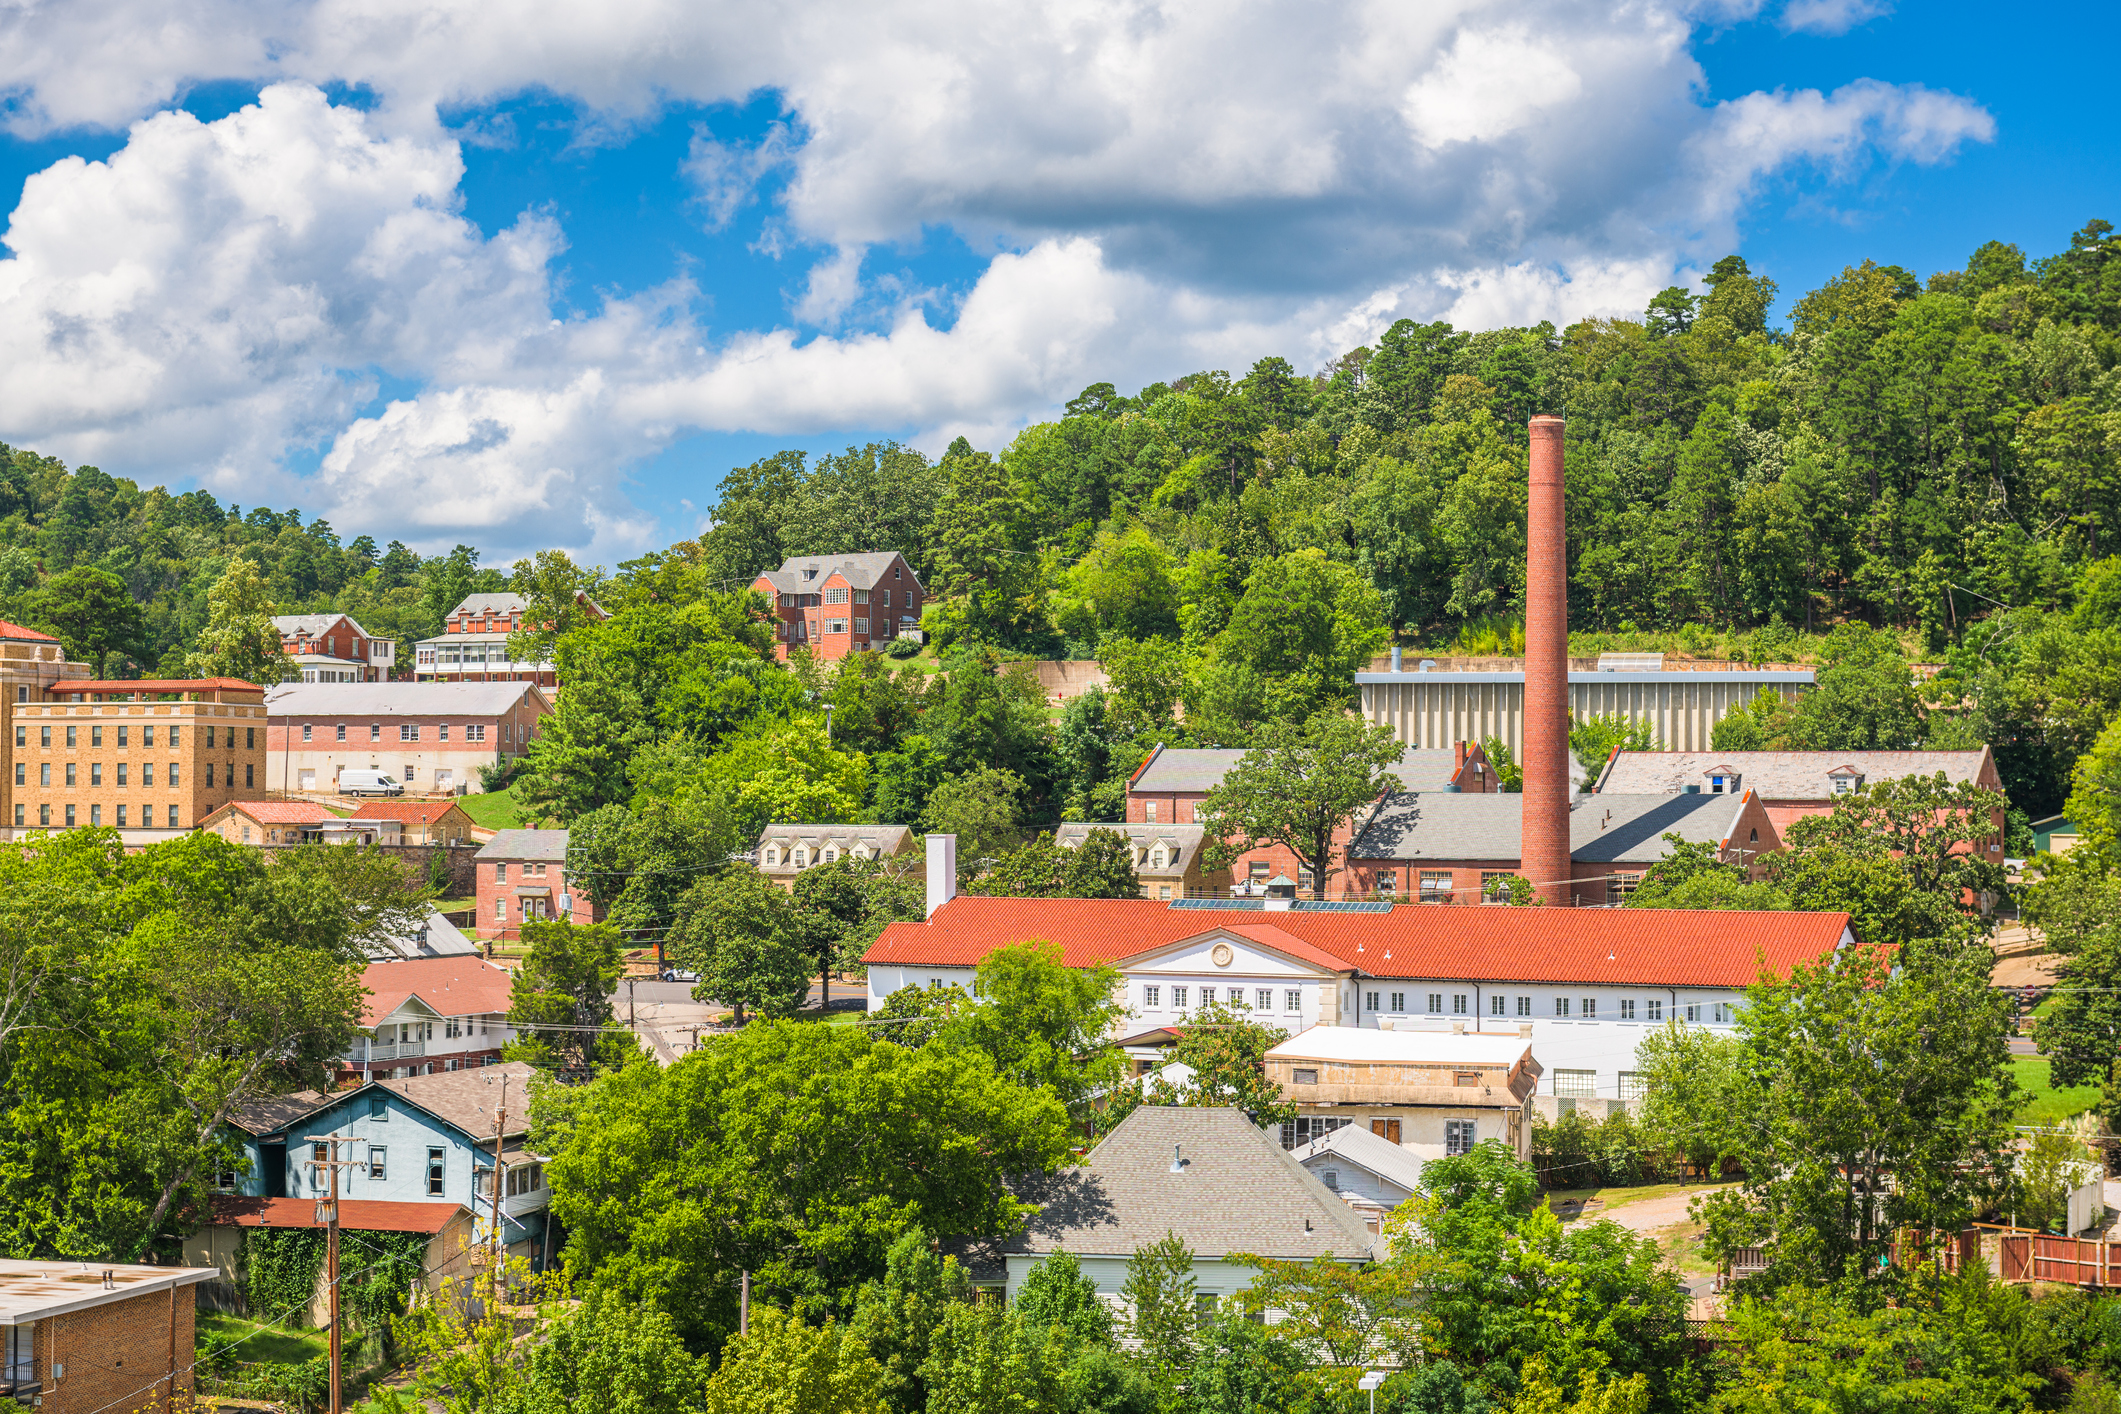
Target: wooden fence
x=2076 y=1261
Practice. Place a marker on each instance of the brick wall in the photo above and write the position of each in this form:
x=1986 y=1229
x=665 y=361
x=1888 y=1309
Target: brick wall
x=117 y=1356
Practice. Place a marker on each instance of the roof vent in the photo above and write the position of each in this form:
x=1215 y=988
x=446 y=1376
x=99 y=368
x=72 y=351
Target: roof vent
x=1178 y=1165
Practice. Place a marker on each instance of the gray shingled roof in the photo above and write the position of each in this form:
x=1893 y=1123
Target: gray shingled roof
x=1778 y=775
x=1181 y=842
x=469 y=1099
x=1353 y=1144
x=1603 y=829
x=863 y=571
x=1185 y=769
x=548 y=845
x=1240 y=1191
x=273 y=1113
x=395 y=699
x=314 y=624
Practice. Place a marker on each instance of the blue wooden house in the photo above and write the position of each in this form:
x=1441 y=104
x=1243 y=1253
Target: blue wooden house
x=425 y=1138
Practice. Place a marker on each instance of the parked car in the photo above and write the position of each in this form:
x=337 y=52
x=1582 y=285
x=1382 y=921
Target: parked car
x=369 y=783
x=678 y=974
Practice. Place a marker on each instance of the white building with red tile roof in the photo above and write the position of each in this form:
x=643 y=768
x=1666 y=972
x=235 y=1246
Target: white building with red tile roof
x=1588 y=983
x=421 y=821
x=427 y=1015
x=262 y=822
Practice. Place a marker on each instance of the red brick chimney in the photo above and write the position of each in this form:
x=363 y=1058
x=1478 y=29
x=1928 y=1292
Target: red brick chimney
x=1546 y=672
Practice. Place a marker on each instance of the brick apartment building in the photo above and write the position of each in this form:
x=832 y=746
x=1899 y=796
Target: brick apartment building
x=333 y=648
x=432 y=736
x=152 y=757
x=1166 y=791
x=840 y=604
x=83 y=1337
x=473 y=644
x=522 y=875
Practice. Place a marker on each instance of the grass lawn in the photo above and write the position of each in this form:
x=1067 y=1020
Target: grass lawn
x=491 y=810
x=265 y=1343
x=1611 y=1198
x=2047 y=1103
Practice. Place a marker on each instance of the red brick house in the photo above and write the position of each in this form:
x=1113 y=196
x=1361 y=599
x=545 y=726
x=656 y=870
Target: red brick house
x=840 y=604
x=1167 y=788
x=433 y=737
x=473 y=644
x=87 y=1336
x=522 y=875
x=333 y=648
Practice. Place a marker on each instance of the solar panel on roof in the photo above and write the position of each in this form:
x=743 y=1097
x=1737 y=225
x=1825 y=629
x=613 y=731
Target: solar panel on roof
x=1305 y=905
x=1252 y=905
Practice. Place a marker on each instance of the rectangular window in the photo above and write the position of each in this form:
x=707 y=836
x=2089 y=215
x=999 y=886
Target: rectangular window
x=121 y=816
x=209 y=775
x=1265 y=997
x=1466 y=1079
x=1304 y=1077
x=44 y=773
x=1459 y=1136
x=123 y=733
x=250 y=738
x=1656 y=1009
x=1631 y=1087
x=1152 y=996
x=442 y=732
x=1305 y=879
x=1620 y=887
x=21 y=817
x=409 y=772
x=1258 y=869
x=147 y=773
x=1590 y=1008
x=71 y=734
x=835 y=596
x=1178 y=997
x=434 y=1173
x=69 y=817
x=500 y=910
x=95 y=815
x=1561 y=1006
x=340 y=732
x=1292 y=1001
x=1723 y=1014
x=44 y=736
x=173 y=774
x=474 y=733
x=1237 y=996
x=71 y=768
x=121 y=773
x=861 y=596
x=1399 y=1003
x=861 y=625
x=1435 y=1004
x=1388 y=881
x=1693 y=1014
x=1627 y=1008
x=1576 y=1084
x=249 y=779
x=1149 y=812
x=44 y=815
x=209 y=738
x=95 y=736
x=410 y=732
x=835 y=625
x=378 y=1108
x=149 y=813
x=375 y=731
x=147 y=735
x=95 y=773
x=305 y=731
x=1435 y=886
x=1458 y=1004
x=1370 y=1001
x=1492 y=888
x=378 y=1161
x=500 y=872
x=1306 y=1128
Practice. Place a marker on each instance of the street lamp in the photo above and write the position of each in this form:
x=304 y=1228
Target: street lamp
x=1370 y=1380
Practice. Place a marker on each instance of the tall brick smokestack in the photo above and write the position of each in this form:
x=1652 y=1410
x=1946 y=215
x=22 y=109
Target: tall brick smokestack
x=1546 y=671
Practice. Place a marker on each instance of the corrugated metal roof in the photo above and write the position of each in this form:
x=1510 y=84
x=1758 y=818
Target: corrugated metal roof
x=396 y=699
x=1675 y=679
x=358 y=1214
x=277 y=812
x=1237 y=1191
x=1621 y=947
x=1351 y=1143
x=1603 y=829
x=1779 y=775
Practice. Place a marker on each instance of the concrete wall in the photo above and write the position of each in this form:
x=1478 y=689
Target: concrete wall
x=1435 y=709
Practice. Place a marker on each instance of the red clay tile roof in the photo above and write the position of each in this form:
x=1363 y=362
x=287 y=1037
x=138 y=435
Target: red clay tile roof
x=8 y=630
x=360 y=1214
x=156 y=685
x=279 y=812
x=1632 y=946
x=453 y=986
x=411 y=812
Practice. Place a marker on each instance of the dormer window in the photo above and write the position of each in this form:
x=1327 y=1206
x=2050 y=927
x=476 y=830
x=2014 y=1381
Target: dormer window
x=1723 y=781
x=773 y=856
x=1844 y=781
x=1156 y=858
x=831 y=854
x=799 y=857
x=810 y=573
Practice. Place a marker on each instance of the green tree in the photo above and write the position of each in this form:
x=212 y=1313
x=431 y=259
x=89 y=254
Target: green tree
x=796 y=1152
x=93 y=613
x=608 y=1356
x=1161 y=1319
x=1874 y=1098
x=1056 y=1294
x=1864 y=699
x=785 y=1366
x=553 y=590
x=896 y=1316
x=842 y=906
x=1102 y=866
x=1043 y=1024
x=1297 y=787
x=737 y=930
x=1291 y=647
x=1226 y=1051
x=239 y=640
x=1691 y=1092
x=983 y=809
x=1593 y=740
x=565 y=985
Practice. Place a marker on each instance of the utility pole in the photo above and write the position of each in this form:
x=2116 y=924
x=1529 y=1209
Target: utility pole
x=328 y=1214
x=743 y=1305
x=500 y=1127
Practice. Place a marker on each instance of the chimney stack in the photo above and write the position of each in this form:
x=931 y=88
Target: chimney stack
x=942 y=871
x=1546 y=671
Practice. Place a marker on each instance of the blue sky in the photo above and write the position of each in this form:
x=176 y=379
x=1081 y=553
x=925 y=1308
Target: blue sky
x=533 y=277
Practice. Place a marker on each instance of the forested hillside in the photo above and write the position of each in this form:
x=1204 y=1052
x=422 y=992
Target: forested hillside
x=121 y=574
x=1936 y=457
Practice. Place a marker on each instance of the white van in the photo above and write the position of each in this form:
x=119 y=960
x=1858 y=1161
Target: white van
x=368 y=783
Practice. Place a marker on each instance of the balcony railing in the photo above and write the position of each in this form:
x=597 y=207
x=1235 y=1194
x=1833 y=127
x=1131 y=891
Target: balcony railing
x=394 y=1051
